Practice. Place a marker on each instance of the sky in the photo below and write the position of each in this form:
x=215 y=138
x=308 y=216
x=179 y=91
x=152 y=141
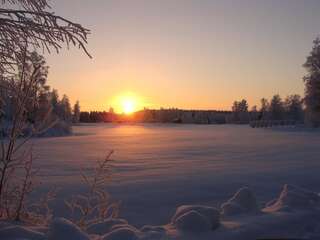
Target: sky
x=190 y=54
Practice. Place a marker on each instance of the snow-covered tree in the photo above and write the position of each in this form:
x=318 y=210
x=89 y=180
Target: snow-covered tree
x=76 y=112
x=294 y=107
x=240 y=111
x=65 y=112
x=312 y=85
x=54 y=99
x=264 y=108
x=25 y=26
x=276 y=108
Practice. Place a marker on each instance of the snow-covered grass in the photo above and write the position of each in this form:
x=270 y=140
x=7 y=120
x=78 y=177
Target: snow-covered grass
x=158 y=168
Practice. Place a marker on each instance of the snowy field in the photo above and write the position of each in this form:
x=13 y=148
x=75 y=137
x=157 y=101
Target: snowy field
x=160 y=167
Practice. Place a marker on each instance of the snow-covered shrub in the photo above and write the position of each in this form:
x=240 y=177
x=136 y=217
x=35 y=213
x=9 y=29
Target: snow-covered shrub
x=63 y=229
x=243 y=201
x=293 y=197
x=196 y=218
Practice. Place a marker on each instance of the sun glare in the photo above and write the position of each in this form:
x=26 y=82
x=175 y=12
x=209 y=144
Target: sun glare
x=128 y=105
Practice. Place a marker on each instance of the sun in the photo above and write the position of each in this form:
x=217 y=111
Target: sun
x=128 y=105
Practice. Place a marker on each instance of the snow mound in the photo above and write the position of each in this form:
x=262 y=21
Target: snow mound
x=192 y=221
x=148 y=228
x=106 y=226
x=153 y=235
x=204 y=215
x=243 y=201
x=18 y=232
x=293 y=197
x=123 y=233
x=117 y=226
x=153 y=232
x=59 y=129
x=63 y=229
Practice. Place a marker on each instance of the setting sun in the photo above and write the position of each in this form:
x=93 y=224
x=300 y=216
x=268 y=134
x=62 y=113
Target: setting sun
x=128 y=105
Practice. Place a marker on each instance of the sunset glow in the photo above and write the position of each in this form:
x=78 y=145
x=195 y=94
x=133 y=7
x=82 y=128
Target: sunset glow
x=127 y=103
x=128 y=106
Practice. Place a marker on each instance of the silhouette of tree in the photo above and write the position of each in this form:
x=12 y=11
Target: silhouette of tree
x=54 y=98
x=312 y=84
x=277 y=109
x=294 y=107
x=65 y=112
x=240 y=111
x=76 y=112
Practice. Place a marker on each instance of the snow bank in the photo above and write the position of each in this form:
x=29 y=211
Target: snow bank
x=19 y=232
x=59 y=129
x=196 y=218
x=293 y=198
x=63 y=229
x=199 y=222
x=153 y=232
x=193 y=221
x=243 y=201
x=122 y=233
x=106 y=226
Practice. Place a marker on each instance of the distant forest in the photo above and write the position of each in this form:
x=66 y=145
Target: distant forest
x=291 y=108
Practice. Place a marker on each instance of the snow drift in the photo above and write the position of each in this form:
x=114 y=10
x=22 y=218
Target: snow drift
x=295 y=213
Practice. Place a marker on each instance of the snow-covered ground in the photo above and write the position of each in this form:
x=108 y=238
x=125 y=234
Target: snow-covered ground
x=160 y=167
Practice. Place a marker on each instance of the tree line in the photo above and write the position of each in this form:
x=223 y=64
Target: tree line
x=294 y=107
x=291 y=108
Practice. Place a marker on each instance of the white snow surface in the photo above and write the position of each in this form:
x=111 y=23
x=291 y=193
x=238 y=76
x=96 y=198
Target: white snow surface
x=159 y=167
x=196 y=222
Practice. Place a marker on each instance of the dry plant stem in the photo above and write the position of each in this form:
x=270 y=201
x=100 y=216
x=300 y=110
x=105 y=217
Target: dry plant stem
x=95 y=205
x=27 y=183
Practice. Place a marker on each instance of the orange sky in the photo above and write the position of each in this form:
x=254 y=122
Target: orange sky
x=186 y=54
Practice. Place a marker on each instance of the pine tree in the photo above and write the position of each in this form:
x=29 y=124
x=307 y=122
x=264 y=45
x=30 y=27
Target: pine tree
x=65 y=112
x=312 y=85
x=240 y=111
x=54 y=99
x=264 y=108
x=294 y=107
x=277 y=110
x=76 y=112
